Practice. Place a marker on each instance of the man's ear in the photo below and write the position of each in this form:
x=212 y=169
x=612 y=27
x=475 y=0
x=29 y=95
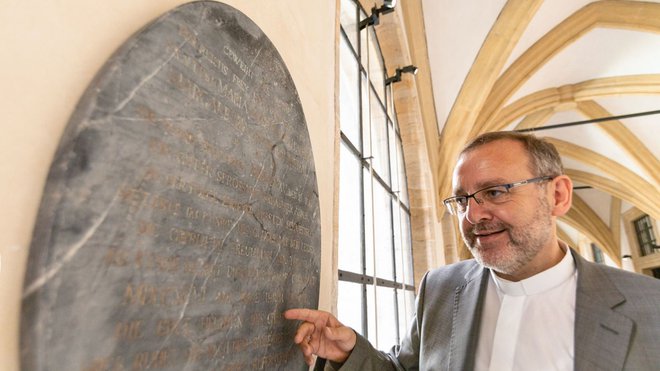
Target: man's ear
x=563 y=195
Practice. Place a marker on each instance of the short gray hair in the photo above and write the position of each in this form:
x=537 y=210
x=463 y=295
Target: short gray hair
x=543 y=156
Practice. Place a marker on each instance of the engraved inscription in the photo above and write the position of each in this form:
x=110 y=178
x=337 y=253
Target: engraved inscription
x=181 y=216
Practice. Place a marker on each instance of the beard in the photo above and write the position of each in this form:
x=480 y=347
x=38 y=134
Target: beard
x=525 y=241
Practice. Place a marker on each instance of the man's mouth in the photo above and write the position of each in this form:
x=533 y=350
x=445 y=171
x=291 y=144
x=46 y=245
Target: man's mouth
x=488 y=239
x=487 y=233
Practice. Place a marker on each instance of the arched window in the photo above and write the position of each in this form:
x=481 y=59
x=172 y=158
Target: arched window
x=376 y=287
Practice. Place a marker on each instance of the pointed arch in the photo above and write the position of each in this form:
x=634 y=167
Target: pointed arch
x=625 y=138
x=496 y=49
x=624 y=192
x=558 y=98
x=584 y=219
x=634 y=187
x=632 y=15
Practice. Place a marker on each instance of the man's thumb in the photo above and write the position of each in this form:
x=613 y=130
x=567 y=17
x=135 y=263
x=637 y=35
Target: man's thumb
x=337 y=333
x=343 y=337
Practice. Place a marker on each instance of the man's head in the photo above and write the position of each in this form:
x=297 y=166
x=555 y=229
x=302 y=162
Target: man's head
x=543 y=156
x=510 y=190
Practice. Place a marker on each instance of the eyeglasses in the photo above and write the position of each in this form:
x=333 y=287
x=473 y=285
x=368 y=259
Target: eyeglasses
x=495 y=195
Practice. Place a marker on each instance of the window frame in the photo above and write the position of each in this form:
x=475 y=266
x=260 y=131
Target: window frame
x=369 y=279
x=646 y=241
x=641 y=264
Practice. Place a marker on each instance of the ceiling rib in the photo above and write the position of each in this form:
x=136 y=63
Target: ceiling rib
x=625 y=138
x=567 y=96
x=636 y=198
x=636 y=187
x=492 y=56
x=595 y=119
x=584 y=219
x=632 y=15
x=535 y=119
x=620 y=134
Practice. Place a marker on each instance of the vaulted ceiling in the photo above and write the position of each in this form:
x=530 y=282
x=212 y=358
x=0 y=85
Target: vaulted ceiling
x=529 y=64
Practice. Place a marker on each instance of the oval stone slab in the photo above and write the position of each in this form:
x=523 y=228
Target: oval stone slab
x=181 y=215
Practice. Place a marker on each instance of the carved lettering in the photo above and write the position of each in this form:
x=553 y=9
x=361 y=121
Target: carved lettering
x=193 y=238
x=197 y=353
x=206 y=269
x=252 y=251
x=271 y=359
x=261 y=297
x=203 y=171
x=296 y=227
x=115 y=256
x=214 y=322
x=151 y=360
x=240 y=83
x=167 y=327
x=166 y=296
x=200 y=96
x=147 y=228
x=106 y=364
x=238 y=61
x=220 y=87
x=128 y=330
x=189 y=35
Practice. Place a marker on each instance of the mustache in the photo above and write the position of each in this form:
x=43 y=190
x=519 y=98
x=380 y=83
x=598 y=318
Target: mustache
x=484 y=228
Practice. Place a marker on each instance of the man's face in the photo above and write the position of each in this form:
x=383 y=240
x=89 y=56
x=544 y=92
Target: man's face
x=507 y=237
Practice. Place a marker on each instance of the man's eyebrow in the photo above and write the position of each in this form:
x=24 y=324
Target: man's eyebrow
x=458 y=192
x=490 y=183
x=481 y=185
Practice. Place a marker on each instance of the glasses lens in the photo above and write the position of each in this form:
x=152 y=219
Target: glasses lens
x=450 y=204
x=493 y=195
x=460 y=204
x=455 y=205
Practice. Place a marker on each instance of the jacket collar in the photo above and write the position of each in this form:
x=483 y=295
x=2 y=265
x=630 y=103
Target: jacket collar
x=468 y=304
x=602 y=335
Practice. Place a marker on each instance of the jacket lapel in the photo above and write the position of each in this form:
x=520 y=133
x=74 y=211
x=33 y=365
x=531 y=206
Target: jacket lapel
x=468 y=302
x=602 y=335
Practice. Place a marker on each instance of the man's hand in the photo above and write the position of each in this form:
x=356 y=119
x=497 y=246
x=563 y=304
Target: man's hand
x=322 y=334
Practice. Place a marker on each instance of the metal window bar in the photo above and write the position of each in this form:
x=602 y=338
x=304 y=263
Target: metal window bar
x=645 y=235
x=368 y=163
x=370 y=280
x=590 y=121
x=359 y=155
x=371 y=179
x=390 y=103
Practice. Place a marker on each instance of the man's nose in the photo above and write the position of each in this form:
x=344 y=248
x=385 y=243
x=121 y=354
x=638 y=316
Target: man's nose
x=476 y=211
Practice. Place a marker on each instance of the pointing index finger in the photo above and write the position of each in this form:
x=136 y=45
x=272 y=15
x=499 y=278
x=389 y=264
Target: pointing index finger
x=302 y=314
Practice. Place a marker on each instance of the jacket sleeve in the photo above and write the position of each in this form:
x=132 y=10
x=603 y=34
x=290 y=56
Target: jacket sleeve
x=401 y=357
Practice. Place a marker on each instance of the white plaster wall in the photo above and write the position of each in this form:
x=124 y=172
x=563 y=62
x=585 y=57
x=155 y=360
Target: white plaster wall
x=50 y=52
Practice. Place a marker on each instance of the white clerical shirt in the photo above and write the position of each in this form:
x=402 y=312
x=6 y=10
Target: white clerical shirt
x=528 y=325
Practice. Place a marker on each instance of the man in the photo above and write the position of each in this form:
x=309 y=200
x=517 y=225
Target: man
x=527 y=301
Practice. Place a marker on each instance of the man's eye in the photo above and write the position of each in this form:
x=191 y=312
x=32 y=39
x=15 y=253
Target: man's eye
x=461 y=201
x=493 y=193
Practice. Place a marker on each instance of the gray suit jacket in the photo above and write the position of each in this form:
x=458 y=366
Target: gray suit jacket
x=617 y=322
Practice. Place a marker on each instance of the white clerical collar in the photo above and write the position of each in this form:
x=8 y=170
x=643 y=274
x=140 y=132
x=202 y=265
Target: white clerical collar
x=543 y=281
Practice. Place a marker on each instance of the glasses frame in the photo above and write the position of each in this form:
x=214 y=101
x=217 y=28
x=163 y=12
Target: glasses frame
x=448 y=201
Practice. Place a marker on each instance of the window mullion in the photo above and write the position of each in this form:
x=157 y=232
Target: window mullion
x=371 y=279
x=370 y=159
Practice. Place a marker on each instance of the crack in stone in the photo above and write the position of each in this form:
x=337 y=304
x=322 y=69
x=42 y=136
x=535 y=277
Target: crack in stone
x=305 y=287
x=220 y=246
x=168 y=119
x=131 y=95
x=254 y=60
x=73 y=250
